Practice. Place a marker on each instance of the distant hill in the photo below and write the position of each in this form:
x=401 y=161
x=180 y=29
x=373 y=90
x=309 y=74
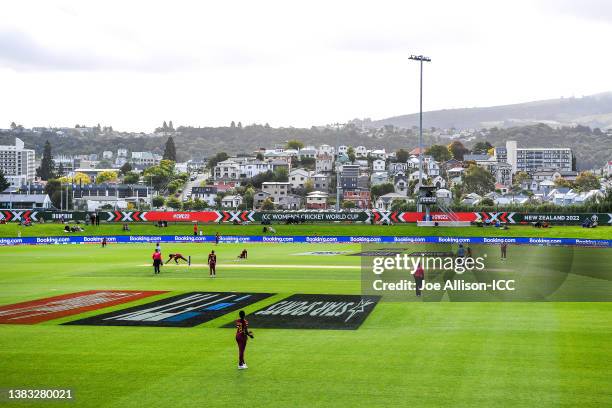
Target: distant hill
x=594 y=111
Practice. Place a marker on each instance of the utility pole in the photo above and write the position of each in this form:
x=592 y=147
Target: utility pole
x=421 y=59
x=335 y=167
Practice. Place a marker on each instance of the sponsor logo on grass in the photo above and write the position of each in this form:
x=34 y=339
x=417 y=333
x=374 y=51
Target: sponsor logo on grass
x=186 y=310
x=41 y=310
x=302 y=311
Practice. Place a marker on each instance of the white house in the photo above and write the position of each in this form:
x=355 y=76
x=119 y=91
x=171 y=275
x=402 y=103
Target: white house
x=227 y=170
x=361 y=151
x=384 y=202
x=231 y=201
x=327 y=150
x=298 y=178
x=316 y=200
x=379 y=177
x=379 y=154
x=253 y=168
x=378 y=165
x=343 y=149
x=433 y=169
x=324 y=163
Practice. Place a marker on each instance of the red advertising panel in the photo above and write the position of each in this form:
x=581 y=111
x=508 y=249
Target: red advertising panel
x=41 y=310
x=439 y=216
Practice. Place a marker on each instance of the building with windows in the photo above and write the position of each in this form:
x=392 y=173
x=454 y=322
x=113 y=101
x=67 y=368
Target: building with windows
x=17 y=163
x=533 y=159
x=349 y=177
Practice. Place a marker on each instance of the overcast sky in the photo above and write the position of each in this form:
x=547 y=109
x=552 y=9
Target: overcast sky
x=133 y=64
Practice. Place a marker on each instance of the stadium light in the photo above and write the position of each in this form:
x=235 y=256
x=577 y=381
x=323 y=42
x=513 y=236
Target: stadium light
x=421 y=59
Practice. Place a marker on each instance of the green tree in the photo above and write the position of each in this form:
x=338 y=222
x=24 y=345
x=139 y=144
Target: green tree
x=561 y=182
x=439 y=153
x=170 y=150
x=457 y=150
x=159 y=176
x=46 y=170
x=348 y=204
x=487 y=202
x=219 y=157
x=520 y=178
x=478 y=180
x=199 y=205
x=295 y=144
x=401 y=206
x=482 y=147
x=381 y=189
x=158 y=201
x=351 y=154
x=259 y=156
x=402 y=156
x=106 y=176
x=174 y=203
x=52 y=188
x=586 y=182
x=127 y=167
x=131 y=177
x=267 y=204
x=188 y=205
x=281 y=174
x=4 y=184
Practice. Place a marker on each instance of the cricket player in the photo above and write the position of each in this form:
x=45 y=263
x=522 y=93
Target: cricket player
x=157 y=262
x=504 y=248
x=243 y=255
x=217 y=238
x=176 y=257
x=242 y=335
x=212 y=263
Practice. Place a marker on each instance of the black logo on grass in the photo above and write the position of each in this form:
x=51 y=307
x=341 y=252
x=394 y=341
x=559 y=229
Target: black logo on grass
x=300 y=311
x=186 y=310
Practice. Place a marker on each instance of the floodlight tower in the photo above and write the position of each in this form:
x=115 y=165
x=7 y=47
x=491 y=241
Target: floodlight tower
x=421 y=59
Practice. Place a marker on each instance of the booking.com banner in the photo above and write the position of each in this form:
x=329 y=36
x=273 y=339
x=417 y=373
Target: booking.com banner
x=136 y=239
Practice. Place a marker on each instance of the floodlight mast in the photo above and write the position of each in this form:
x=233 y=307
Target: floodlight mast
x=421 y=59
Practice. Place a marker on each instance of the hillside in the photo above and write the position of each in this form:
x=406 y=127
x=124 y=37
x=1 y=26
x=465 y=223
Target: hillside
x=594 y=111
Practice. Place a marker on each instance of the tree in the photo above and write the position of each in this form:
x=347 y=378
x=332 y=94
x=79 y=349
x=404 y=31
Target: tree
x=381 y=189
x=160 y=175
x=294 y=144
x=267 y=204
x=170 y=126
x=170 y=150
x=165 y=126
x=351 y=154
x=487 y=202
x=46 y=170
x=239 y=125
x=13 y=126
x=478 y=180
x=4 y=184
x=561 y=182
x=586 y=182
x=106 y=176
x=438 y=152
x=233 y=125
x=127 y=167
x=457 y=150
x=348 y=205
x=60 y=170
x=259 y=156
x=52 y=188
x=199 y=205
x=520 y=178
x=482 y=147
x=173 y=203
x=219 y=157
x=78 y=178
x=402 y=156
x=158 y=201
x=131 y=177
x=401 y=206
x=281 y=174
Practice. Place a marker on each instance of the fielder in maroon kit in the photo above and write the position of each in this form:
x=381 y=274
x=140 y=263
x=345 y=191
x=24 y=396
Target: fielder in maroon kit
x=212 y=264
x=176 y=257
x=242 y=335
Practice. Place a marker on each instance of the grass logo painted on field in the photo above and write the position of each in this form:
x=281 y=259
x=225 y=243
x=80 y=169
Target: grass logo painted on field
x=185 y=310
x=42 y=310
x=304 y=311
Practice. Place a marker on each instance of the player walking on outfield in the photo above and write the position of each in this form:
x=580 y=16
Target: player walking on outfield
x=212 y=263
x=195 y=229
x=504 y=248
x=217 y=238
x=242 y=335
x=104 y=242
x=157 y=262
x=419 y=277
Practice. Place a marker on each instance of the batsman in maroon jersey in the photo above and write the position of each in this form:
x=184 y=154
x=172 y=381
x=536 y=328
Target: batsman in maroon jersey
x=242 y=335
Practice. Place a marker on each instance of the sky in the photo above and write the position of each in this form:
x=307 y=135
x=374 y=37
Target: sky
x=133 y=64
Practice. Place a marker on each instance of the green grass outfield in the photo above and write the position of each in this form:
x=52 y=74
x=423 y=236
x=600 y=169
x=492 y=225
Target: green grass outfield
x=416 y=354
x=603 y=232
